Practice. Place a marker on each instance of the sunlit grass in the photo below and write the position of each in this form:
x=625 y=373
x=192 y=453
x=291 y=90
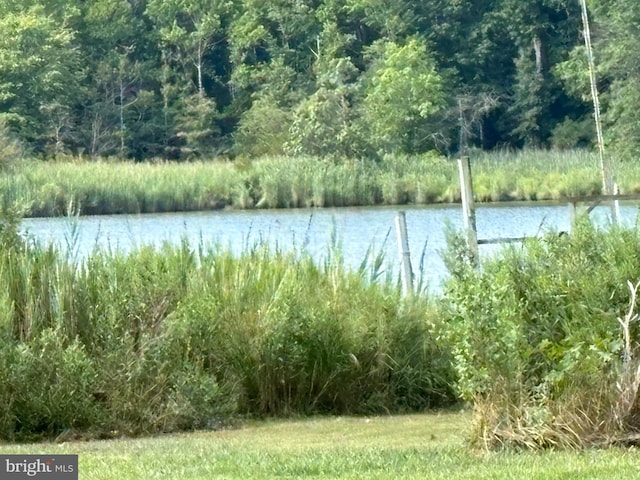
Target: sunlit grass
x=426 y=446
x=49 y=188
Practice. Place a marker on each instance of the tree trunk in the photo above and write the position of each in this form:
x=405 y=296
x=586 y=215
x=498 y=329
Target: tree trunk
x=540 y=56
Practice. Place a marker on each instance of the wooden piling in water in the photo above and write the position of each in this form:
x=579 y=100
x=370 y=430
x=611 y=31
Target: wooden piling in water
x=406 y=272
x=616 y=205
x=468 y=207
x=572 y=215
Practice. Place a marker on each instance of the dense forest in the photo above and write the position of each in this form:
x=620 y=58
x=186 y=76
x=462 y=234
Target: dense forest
x=179 y=79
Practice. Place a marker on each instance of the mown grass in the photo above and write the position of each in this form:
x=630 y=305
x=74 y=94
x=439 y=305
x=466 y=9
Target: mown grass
x=390 y=447
x=51 y=188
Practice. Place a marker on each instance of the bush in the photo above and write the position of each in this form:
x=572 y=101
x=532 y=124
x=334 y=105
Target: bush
x=294 y=338
x=263 y=130
x=570 y=134
x=537 y=343
x=47 y=388
x=11 y=150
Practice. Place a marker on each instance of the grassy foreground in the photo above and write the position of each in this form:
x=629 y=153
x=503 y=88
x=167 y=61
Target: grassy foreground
x=105 y=187
x=395 y=447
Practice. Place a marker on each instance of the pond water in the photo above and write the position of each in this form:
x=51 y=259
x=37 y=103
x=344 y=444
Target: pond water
x=358 y=231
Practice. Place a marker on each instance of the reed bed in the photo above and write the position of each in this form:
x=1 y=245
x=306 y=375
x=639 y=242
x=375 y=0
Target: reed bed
x=182 y=338
x=541 y=339
x=50 y=188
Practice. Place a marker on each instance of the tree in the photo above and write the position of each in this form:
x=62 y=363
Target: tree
x=617 y=56
x=39 y=67
x=324 y=124
x=403 y=91
x=272 y=48
x=187 y=31
x=263 y=129
x=391 y=19
x=118 y=57
x=543 y=31
x=139 y=78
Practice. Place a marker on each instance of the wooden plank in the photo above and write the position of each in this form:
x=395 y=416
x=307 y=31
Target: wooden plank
x=487 y=241
x=591 y=207
x=600 y=198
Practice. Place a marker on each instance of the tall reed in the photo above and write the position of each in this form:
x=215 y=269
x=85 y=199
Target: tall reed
x=284 y=182
x=180 y=338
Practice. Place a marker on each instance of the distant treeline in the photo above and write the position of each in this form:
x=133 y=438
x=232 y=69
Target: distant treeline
x=198 y=78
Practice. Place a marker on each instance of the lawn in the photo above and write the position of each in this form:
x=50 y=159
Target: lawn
x=425 y=446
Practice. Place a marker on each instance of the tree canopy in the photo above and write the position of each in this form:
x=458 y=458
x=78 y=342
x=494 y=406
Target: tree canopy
x=183 y=78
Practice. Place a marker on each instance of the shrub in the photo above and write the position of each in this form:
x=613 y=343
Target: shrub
x=263 y=130
x=47 y=387
x=11 y=150
x=536 y=340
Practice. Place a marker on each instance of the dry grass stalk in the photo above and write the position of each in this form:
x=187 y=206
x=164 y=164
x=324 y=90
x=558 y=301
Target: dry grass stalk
x=629 y=382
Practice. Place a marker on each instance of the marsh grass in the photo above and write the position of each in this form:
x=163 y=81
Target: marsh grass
x=48 y=188
x=535 y=175
x=175 y=338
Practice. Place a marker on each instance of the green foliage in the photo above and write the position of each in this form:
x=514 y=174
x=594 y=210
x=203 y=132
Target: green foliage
x=391 y=18
x=616 y=44
x=47 y=188
x=529 y=102
x=402 y=91
x=263 y=130
x=11 y=149
x=324 y=126
x=169 y=78
x=197 y=124
x=536 y=342
x=570 y=134
x=39 y=65
x=48 y=388
x=327 y=123
x=177 y=339
x=623 y=132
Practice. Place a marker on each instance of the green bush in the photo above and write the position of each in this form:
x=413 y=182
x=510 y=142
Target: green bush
x=290 y=337
x=47 y=388
x=11 y=150
x=536 y=340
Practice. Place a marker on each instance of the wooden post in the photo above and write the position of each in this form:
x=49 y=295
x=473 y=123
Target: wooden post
x=468 y=208
x=406 y=273
x=572 y=215
x=616 y=205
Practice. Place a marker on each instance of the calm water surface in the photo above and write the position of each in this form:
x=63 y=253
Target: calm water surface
x=357 y=230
